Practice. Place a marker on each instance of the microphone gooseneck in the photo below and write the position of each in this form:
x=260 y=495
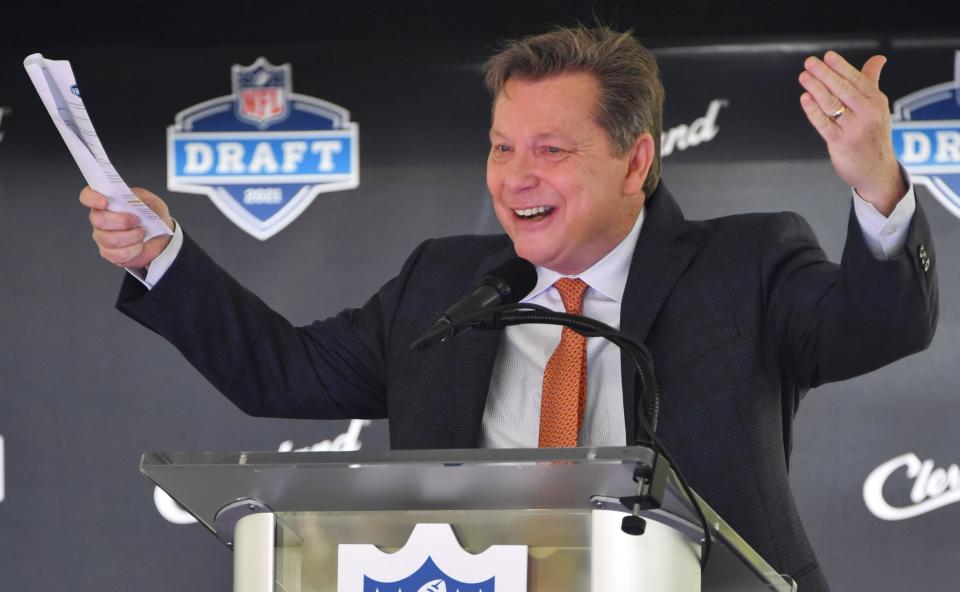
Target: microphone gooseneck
x=495 y=317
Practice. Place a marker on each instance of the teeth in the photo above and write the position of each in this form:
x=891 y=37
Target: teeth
x=534 y=211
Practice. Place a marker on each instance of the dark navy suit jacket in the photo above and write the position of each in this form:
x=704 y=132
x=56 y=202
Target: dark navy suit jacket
x=742 y=314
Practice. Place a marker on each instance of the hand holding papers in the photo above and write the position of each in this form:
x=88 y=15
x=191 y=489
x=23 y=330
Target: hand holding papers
x=57 y=88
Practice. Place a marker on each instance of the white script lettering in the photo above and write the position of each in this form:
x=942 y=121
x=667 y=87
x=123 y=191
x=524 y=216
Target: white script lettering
x=932 y=488
x=173 y=512
x=4 y=111
x=702 y=130
x=345 y=442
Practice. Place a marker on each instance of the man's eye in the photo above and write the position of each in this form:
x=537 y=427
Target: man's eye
x=501 y=148
x=552 y=150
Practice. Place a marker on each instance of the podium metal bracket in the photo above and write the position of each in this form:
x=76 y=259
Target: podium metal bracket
x=225 y=522
x=651 y=483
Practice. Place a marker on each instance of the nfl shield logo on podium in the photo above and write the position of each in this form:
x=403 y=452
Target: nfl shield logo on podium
x=432 y=561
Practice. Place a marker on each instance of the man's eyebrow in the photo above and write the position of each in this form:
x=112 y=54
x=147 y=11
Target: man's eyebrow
x=558 y=135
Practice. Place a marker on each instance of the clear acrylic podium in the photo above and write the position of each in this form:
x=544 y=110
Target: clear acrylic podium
x=285 y=513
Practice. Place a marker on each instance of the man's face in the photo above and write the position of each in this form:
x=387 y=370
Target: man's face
x=560 y=192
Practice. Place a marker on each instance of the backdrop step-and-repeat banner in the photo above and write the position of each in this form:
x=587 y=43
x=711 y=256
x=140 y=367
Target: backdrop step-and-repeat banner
x=315 y=221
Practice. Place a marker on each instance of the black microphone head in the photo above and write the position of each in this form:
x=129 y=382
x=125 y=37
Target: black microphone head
x=513 y=280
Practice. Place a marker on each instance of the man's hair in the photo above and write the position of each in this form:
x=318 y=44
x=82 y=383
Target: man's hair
x=631 y=94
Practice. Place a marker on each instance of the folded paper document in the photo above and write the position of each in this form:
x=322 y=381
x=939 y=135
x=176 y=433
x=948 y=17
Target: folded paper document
x=57 y=88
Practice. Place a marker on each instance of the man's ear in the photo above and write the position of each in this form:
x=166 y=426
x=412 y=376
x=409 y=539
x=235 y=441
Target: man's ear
x=641 y=157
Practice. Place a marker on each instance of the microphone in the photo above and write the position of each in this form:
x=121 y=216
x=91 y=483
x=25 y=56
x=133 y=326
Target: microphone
x=506 y=284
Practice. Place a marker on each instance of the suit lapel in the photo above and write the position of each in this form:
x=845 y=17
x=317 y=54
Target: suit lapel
x=475 y=354
x=659 y=259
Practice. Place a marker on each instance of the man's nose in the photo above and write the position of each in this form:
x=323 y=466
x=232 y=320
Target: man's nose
x=522 y=172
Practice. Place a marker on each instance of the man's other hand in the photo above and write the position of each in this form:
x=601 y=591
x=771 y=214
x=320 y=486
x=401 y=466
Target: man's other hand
x=846 y=107
x=120 y=236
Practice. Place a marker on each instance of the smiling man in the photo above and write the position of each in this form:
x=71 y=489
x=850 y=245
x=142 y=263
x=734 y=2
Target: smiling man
x=564 y=194
x=742 y=314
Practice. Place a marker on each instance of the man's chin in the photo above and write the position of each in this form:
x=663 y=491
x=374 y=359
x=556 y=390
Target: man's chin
x=540 y=257
x=532 y=255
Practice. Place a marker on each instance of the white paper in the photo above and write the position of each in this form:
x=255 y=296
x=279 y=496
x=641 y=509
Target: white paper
x=57 y=88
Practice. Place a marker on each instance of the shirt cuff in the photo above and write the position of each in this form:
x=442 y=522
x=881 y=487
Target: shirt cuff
x=885 y=236
x=151 y=274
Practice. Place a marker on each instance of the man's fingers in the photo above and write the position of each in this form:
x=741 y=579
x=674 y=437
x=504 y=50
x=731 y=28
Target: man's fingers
x=873 y=67
x=842 y=87
x=107 y=220
x=119 y=235
x=156 y=204
x=151 y=200
x=845 y=69
x=97 y=201
x=121 y=255
x=118 y=239
x=825 y=126
x=93 y=199
x=827 y=101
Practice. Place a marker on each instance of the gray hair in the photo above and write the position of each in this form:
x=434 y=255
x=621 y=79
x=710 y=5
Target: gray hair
x=631 y=94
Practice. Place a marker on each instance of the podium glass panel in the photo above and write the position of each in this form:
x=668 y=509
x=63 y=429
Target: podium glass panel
x=563 y=504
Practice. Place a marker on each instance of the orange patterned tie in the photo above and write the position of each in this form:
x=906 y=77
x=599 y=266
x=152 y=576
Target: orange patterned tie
x=565 y=378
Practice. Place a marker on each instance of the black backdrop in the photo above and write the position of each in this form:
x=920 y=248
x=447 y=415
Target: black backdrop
x=83 y=391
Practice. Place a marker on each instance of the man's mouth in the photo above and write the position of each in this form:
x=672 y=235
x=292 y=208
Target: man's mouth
x=534 y=213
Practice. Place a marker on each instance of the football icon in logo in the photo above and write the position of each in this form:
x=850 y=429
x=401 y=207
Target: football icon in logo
x=434 y=586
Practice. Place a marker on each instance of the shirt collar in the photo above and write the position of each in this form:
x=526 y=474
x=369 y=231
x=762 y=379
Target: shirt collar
x=608 y=277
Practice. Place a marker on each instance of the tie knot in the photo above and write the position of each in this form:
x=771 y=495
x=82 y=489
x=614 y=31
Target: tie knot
x=571 y=292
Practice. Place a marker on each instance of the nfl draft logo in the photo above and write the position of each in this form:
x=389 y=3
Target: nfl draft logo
x=264 y=152
x=432 y=561
x=926 y=138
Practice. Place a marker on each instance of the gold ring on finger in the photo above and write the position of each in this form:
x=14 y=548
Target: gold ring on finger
x=839 y=112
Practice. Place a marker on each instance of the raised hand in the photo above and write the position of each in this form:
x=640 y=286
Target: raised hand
x=120 y=236
x=846 y=107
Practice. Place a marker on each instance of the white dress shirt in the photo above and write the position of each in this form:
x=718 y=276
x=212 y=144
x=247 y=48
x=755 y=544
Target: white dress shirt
x=511 y=418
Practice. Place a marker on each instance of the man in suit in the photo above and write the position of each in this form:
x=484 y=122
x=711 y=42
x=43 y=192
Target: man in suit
x=742 y=314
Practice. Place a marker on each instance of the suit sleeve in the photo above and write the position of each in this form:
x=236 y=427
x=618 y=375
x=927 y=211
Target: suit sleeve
x=835 y=322
x=331 y=369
